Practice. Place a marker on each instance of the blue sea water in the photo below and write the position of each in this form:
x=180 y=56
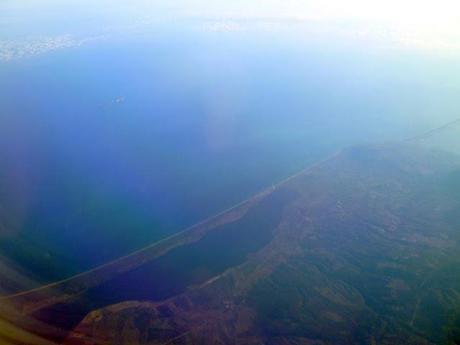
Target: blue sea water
x=108 y=146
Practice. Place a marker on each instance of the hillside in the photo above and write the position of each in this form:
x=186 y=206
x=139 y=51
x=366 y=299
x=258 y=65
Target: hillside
x=361 y=249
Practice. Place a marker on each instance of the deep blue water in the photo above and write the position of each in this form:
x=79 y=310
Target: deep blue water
x=111 y=145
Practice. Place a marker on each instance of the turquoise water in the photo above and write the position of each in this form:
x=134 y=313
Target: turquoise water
x=108 y=146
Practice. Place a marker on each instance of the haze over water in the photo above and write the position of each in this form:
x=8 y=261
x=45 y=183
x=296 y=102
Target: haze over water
x=119 y=127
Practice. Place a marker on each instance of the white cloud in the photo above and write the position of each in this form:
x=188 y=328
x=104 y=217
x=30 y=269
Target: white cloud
x=385 y=33
x=223 y=26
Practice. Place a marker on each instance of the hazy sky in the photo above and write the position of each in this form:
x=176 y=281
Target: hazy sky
x=423 y=24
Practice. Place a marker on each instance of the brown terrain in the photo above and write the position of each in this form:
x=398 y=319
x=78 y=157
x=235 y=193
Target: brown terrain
x=365 y=252
x=362 y=248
